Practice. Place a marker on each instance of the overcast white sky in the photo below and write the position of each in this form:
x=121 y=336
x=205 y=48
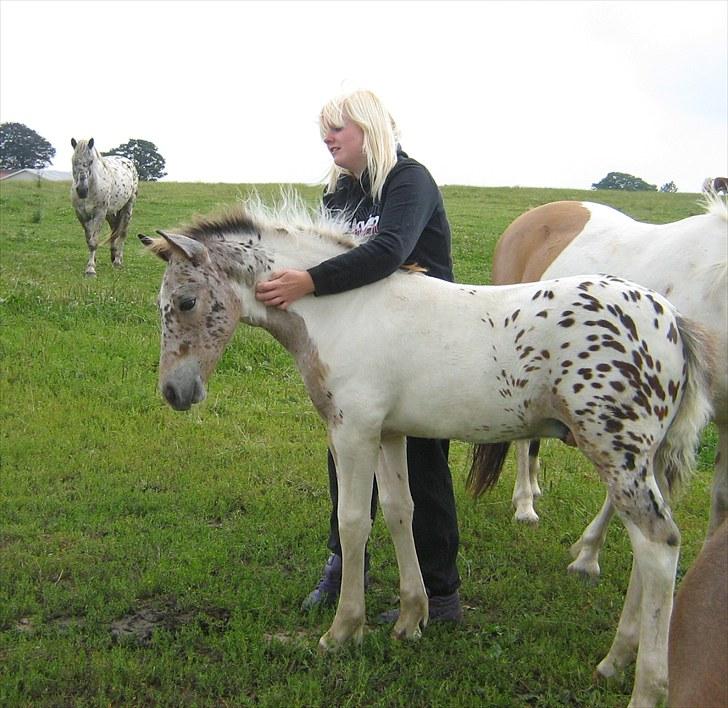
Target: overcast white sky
x=541 y=94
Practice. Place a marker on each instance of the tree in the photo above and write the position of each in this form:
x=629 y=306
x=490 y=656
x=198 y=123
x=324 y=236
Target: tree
x=22 y=148
x=620 y=180
x=669 y=187
x=148 y=162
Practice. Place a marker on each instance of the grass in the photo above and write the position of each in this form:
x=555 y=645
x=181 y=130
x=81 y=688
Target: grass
x=149 y=557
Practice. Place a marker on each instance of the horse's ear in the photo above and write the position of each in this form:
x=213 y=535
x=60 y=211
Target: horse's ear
x=194 y=251
x=157 y=246
x=91 y=143
x=73 y=143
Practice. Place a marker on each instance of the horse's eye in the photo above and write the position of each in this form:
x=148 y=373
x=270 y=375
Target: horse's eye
x=187 y=304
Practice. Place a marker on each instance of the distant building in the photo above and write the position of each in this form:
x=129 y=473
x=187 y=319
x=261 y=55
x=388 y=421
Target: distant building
x=28 y=175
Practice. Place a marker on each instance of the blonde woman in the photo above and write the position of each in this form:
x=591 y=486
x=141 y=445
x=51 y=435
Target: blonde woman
x=389 y=196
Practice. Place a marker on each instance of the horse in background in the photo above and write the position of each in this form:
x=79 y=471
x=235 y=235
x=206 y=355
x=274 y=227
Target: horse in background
x=103 y=188
x=527 y=360
x=719 y=185
x=683 y=260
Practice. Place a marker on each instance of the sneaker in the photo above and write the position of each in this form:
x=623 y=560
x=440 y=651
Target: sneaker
x=442 y=608
x=326 y=593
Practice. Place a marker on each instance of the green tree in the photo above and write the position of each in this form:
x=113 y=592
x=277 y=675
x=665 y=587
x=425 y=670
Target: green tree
x=621 y=180
x=148 y=162
x=669 y=187
x=22 y=148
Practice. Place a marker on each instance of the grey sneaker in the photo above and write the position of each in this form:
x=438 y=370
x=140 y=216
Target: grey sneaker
x=443 y=608
x=326 y=593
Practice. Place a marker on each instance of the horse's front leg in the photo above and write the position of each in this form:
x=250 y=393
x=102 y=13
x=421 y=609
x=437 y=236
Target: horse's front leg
x=119 y=227
x=397 y=507
x=91 y=230
x=355 y=456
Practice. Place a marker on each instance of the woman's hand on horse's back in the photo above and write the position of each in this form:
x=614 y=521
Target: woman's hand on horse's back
x=284 y=287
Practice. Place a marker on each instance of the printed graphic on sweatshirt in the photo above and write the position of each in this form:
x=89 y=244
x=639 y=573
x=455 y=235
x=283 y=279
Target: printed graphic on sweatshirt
x=366 y=228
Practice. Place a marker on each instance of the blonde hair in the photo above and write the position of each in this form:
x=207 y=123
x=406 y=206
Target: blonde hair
x=381 y=135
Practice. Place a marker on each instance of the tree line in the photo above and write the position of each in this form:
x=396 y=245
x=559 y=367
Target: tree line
x=22 y=148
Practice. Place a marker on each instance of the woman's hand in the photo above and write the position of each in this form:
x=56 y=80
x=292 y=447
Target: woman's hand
x=284 y=288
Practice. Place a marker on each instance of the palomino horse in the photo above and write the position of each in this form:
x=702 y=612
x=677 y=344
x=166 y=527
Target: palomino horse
x=604 y=358
x=103 y=188
x=698 y=644
x=684 y=260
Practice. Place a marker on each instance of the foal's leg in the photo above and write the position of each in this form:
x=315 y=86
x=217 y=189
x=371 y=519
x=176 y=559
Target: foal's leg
x=397 y=507
x=523 y=493
x=91 y=229
x=355 y=455
x=586 y=550
x=645 y=619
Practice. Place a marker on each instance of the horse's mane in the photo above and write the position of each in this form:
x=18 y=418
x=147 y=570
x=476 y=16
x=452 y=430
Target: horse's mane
x=289 y=215
x=714 y=204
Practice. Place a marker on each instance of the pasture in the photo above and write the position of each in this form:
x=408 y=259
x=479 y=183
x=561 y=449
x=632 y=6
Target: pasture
x=149 y=557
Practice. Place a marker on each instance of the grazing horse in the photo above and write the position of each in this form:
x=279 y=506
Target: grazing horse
x=684 y=260
x=601 y=357
x=103 y=188
x=698 y=644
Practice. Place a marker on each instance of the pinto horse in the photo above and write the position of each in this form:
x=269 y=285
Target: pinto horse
x=684 y=260
x=103 y=188
x=608 y=360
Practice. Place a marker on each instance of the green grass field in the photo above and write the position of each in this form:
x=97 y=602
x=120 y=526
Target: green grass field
x=149 y=557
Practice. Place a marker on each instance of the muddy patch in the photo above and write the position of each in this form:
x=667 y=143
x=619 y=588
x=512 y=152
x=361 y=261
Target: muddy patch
x=165 y=613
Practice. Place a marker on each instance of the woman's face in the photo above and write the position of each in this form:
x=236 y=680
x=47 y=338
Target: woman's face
x=346 y=147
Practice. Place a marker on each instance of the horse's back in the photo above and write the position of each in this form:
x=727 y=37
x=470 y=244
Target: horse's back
x=124 y=183
x=698 y=645
x=532 y=241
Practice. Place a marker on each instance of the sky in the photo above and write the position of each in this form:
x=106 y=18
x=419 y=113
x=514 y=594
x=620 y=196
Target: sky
x=519 y=93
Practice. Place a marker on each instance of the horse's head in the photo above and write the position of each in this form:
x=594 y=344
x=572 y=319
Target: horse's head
x=82 y=162
x=199 y=310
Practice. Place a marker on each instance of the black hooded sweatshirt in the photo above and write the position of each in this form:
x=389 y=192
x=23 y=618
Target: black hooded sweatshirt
x=408 y=227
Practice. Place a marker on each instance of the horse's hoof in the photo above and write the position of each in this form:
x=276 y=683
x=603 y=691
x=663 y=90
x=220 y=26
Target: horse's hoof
x=588 y=571
x=526 y=517
x=90 y=274
x=327 y=645
x=402 y=633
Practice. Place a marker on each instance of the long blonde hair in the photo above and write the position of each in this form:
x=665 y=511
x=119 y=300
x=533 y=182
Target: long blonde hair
x=381 y=135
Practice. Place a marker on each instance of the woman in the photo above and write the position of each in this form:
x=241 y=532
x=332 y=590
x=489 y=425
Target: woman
x=392 y=198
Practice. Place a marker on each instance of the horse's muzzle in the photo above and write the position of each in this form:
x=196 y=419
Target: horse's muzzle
x=82 y=192
x=183 y=386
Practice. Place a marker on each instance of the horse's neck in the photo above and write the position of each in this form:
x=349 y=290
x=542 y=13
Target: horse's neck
x=299 y=251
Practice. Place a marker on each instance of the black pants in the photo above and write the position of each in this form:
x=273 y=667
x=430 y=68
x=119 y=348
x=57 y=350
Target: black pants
x=434 y=524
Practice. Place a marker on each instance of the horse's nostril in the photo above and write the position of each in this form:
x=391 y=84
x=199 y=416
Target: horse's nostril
x=170 y=395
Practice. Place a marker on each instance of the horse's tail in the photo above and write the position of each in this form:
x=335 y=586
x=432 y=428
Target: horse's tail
x=676 y=455
x=487 y=463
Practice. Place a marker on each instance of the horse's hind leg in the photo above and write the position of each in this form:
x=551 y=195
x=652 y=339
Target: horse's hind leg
x=645 y=617
x=586 y=550
x=119 y=226
x=397 y=507
x=526 y=486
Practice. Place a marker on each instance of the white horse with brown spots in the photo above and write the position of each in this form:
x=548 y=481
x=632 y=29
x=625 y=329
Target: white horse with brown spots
x=410 y=355
x=684 y=260
x=103 y=188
